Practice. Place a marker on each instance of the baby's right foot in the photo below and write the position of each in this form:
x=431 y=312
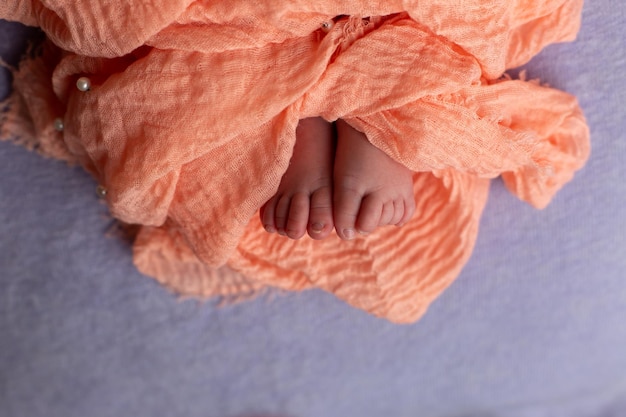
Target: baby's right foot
x=303 y=202
x=370 y=188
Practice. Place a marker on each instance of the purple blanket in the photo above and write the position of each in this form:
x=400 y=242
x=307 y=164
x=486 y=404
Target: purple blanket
x=534 y=326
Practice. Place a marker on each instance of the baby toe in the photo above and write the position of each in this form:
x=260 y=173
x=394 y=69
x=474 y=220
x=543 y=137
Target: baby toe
x=387 y=214
x=281 y=214
x=398 y=212
x=409 y=211
x=369 y=214
x=267 y=213
x=321 y=214
x=298 y=216
x=346 y=209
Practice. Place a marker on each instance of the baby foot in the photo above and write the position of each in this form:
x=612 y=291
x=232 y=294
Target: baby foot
x=303 y=202
x=370 y=188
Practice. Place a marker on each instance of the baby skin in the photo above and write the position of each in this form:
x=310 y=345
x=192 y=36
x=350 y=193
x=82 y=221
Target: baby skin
x=350 y=186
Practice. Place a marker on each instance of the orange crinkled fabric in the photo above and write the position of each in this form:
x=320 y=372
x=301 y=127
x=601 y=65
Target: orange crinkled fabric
x=190 y=123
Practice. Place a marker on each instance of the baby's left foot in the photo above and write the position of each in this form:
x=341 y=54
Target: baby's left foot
x=303 y=202
x=370 y=188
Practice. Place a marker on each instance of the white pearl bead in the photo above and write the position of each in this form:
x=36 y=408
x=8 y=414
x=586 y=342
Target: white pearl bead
x=101 y=191
x=58 y=124
x=83 y=84
x=327 y=26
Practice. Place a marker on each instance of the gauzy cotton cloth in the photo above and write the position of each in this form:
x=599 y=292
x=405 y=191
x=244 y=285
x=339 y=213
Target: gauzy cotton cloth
x=190 y=119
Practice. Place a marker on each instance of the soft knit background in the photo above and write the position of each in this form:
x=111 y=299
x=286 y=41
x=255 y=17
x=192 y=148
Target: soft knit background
x=534 y=326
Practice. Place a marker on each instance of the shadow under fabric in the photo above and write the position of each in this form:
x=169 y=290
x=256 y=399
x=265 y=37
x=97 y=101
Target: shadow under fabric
x=190 y=118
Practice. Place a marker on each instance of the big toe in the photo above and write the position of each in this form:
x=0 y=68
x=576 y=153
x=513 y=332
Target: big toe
x=321 y=214
x=346 y=210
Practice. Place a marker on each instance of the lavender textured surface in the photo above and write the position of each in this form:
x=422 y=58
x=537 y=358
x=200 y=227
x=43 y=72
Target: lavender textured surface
x=533 y=327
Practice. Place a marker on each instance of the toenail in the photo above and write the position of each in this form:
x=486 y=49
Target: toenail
x=270 y=229
x=282 y=233
x=361 y=232
x=317 y=227
x=348 y=233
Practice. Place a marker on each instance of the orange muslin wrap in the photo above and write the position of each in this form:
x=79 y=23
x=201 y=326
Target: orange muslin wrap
x=190 y=123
